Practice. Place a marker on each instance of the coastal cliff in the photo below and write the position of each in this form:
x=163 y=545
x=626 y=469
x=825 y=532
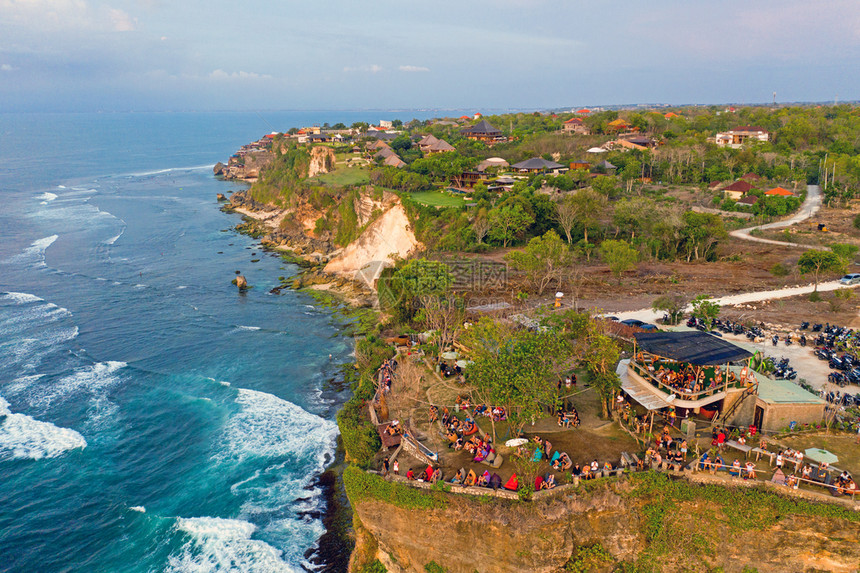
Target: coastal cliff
x=646 y=522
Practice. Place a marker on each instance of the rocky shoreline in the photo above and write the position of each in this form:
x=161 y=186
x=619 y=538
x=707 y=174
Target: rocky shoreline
x=294 y=246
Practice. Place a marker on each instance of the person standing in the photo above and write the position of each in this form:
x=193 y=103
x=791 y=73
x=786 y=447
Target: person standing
x=396 y=467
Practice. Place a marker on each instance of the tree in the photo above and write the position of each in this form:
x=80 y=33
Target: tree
x=672 y=304
x=600 y=355
x=481 y=225
x=633 y=215
x=620 y=256
x=508 y=222
x=402 y=289
x=845 y=251
x=444 y=315
x=631 y=172
x=587 y=206
x=565 y=216
x=817 y=262
x=705 y=310
x=514 y=368
x=543 y=260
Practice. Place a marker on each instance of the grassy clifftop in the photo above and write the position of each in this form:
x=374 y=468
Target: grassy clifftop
x=646 y=522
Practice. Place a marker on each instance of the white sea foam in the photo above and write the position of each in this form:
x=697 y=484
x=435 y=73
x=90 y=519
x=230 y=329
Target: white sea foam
x=22 y=437
x=114 y=239
x=46 y=197
x=218 y=544
x=180 y=287
x=61 y=186
x=169 y=170
x=140 y=286
x=20 y=297
x=138 y=508
x=94 y=379
x=243 y=327
x=268 y=426
x=35 y=253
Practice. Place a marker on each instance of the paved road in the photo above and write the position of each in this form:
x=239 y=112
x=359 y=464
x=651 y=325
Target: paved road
x=809 y=208
x=649 y=315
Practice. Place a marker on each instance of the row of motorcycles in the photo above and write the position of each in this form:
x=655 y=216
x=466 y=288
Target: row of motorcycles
x=846 y=366
x=841 y=399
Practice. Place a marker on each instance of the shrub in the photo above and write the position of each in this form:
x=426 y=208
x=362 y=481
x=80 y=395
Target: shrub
x=779 y=270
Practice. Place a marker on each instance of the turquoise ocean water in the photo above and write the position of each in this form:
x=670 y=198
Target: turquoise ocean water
x=151 y=418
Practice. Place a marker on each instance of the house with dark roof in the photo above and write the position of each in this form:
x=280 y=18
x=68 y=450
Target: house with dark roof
x=483 y=131
x=394 y=161
x=748 y=200
x=427 y=141
x=737 y=189
x=738 y=136
x=439 y=146
x=752 y=177
x=539 y=165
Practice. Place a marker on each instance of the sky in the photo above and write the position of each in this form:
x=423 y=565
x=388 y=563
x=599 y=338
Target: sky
x=161 y=55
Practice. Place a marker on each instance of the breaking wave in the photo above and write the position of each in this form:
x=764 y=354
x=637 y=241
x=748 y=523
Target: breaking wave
x=22 y=437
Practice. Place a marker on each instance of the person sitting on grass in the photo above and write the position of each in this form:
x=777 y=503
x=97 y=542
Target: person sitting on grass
x=484 y=479
x=434 y=413
x=437 y=476
x=749 y=472
x=549 y=482
x=409 y=475
x=576 y=471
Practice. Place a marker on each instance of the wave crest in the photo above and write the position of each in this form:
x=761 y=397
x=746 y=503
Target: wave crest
x=22 y=437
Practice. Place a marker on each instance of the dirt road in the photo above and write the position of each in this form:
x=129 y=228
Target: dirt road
x=809 y=208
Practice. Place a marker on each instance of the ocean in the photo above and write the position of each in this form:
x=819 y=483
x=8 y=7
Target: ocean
x=152 y=418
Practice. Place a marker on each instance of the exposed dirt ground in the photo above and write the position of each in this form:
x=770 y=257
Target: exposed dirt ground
x=840 y=228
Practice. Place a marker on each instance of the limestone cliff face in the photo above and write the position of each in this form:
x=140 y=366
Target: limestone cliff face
x=541 y=536
x=389 y=235
x=322 y=160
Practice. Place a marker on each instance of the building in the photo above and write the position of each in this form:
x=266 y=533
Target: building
x=539 y=165
x=580 y=165
x=394 y=161
x=576 y=125
x=779 y=192
x=748 y=200
x=666 y=364
x=491 y=162
x=737 y=137
x=483 y=131
x=737 y=189
x=439 y=146
x=468 y=179
x=618 y=125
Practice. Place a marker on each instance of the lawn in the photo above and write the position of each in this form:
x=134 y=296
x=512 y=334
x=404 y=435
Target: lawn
x=344 y=176
x=841 y=444
x=438 y=199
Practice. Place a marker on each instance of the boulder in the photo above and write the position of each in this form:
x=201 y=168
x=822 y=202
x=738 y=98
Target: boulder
x=220 y=197
x=241 y=282
x=218 y=169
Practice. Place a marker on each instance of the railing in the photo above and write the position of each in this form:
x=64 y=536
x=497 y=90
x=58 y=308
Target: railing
x=680 y=393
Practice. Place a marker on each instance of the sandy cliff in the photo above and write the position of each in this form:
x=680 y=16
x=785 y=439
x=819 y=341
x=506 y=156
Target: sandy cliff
x=700 y=533
x=389 y=235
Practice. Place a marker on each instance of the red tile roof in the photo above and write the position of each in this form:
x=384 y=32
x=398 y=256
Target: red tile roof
x=780 y=191
x=583 y=110
x=741 y=186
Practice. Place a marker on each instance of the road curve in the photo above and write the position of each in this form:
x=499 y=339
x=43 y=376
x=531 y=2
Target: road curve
x=809 y=208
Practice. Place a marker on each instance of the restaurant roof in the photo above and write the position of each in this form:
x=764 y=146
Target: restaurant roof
x=699 y=348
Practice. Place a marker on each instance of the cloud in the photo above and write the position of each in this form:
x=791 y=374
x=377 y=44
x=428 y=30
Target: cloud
x=413 y=69
x=373 y=69
x=7 y=68
x=121 y=21
x=222 y=75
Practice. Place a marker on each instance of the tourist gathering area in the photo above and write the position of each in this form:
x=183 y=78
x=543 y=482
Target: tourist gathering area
x=690 y=405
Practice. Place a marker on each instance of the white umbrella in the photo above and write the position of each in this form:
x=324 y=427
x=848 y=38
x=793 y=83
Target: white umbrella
x=450 y=355
x=463 y=363
x=516 y=442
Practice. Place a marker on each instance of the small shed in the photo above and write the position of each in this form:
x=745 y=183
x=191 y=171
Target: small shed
x=780 y=402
